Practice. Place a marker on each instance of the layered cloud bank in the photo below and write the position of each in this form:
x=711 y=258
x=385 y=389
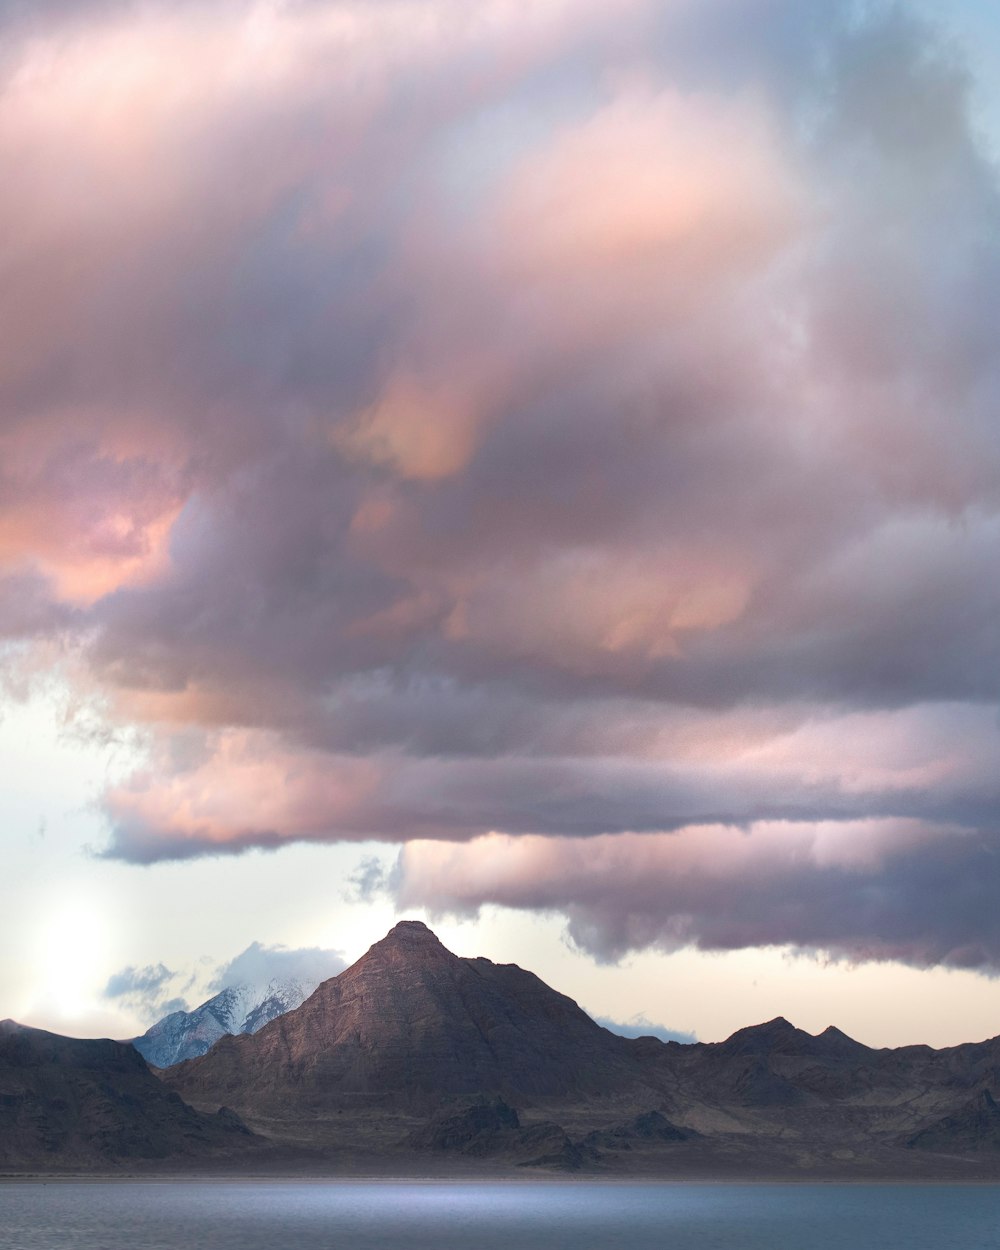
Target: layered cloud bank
x=562 y=441
x=866 y=890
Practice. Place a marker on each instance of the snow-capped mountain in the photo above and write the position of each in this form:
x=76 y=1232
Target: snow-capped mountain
x=241 y=1008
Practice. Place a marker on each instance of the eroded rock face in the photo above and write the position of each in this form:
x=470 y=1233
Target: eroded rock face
x=493 y=1130
x=91 y=1104
x=973 y=1128
x=481 y=1129
x=411 y=1024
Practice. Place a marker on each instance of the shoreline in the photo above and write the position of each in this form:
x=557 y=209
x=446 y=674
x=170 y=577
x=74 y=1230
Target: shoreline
x=182 y=1178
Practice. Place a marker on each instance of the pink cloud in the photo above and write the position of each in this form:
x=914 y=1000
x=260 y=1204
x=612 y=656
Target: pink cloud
x=854 y=889
x=548 y=422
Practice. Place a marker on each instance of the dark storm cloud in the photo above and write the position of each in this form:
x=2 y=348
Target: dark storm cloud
x=863 y=891
x=423 y=423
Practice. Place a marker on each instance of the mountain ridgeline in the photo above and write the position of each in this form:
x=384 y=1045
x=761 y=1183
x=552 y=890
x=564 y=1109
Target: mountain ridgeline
x=239 y=1008
x=414 y=1046
x=415 y=1060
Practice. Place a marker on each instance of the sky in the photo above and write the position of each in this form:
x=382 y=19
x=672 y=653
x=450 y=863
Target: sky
x=529 y=467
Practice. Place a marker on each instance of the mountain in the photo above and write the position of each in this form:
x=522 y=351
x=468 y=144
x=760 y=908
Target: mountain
x=416 y=1049
x=95 y=1105
x=416 y=1061
x=411 y=1024
x=241 y=1008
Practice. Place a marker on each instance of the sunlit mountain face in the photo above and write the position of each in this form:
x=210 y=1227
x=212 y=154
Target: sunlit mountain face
x=520 y=466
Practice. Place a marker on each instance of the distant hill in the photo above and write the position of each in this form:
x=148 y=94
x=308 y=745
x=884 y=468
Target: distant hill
x=94 y=1105
x=241 y=1008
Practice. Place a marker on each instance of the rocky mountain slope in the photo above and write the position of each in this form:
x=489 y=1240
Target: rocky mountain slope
x=94 y=1105
x=242 y=1008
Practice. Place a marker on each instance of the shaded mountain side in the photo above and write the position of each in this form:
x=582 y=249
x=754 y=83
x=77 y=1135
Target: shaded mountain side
x=95 y=1104
x=242 y=1008
x=409 y=1025
x=491 y=1130
x=973 y=1128
x=650 y=1126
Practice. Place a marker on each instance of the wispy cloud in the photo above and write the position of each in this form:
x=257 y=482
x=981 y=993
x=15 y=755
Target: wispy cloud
x=148 y=992
x=154 y=991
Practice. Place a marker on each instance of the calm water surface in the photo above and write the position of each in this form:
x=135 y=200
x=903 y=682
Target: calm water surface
x=274 y=1215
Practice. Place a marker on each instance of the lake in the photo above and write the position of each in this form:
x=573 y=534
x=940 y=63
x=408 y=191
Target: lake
x=412 y=1215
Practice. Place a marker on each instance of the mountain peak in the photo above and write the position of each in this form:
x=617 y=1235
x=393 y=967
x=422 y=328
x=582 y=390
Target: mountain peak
x=410 y=939
x=778 y=1025
x=412 y=929
x=773 y=1035
x=239 y=1008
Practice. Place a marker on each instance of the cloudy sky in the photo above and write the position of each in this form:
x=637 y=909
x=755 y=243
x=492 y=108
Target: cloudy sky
x=529 y=466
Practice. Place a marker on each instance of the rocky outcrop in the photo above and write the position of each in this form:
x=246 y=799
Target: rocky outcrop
x=476 y=1130
x=649 y=1127
x=493 y=1130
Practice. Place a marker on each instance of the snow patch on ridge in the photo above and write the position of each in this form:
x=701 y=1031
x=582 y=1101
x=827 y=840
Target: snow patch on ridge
x=240 y=1008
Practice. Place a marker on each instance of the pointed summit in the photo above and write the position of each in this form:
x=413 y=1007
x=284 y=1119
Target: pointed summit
x=776 y=1034
x=835 y=1042
x=405 y=941
x=413 y=929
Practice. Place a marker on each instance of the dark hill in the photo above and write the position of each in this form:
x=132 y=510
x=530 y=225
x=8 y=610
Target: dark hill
x=95 y=1104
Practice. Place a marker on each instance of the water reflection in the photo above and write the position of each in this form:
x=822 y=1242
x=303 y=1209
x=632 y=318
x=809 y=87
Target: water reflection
x=274 y=1215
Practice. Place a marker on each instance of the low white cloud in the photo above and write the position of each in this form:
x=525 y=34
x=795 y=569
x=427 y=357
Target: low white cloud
x=152 y=992
x=639 y=1026
x=259 y=964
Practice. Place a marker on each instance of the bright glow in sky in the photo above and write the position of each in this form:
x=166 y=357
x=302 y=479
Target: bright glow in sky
x=533 y=468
